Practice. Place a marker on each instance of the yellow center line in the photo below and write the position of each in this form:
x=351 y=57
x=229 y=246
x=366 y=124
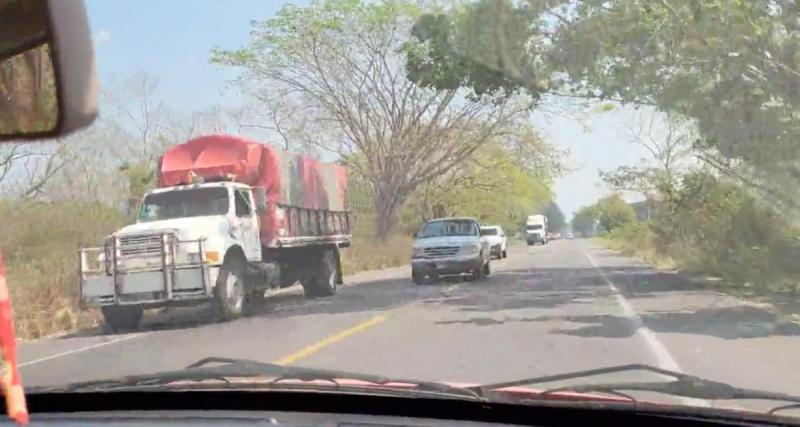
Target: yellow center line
x=319 y=345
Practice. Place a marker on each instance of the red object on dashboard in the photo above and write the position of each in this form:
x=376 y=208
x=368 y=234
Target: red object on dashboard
x=9 y=379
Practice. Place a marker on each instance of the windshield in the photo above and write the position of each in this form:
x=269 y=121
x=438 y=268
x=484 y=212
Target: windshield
x=184 y=204
x=448 y=228
x=371 y=134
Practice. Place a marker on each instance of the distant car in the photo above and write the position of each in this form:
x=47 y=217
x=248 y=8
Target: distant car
x=570 y=236
x=450 y=247
x=498 y=243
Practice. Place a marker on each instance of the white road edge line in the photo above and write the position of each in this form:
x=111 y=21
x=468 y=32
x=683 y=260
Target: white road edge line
x=79 y=350
x=664 y=359
x=662 y=355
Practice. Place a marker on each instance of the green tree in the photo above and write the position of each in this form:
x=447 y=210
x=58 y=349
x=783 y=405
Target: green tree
x=731 y=66
x=342 y=61
x=584 y=220
x=555 y=217
x=613 y=211
x=504 y=181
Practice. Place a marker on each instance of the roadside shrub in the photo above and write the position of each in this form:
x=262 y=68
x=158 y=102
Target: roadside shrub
x=39 y=242
x=715 y=228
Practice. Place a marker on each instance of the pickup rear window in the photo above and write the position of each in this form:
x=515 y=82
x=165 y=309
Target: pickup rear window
x=184 y=204
x=489 y=231
x=535 y=227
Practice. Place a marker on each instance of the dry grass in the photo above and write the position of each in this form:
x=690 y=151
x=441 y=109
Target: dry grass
x=39 y=243
x=371 y=254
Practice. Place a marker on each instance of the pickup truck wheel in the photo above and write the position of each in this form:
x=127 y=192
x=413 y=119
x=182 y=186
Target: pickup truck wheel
x=122 y=318
x=477 y=272
x=323 y=283
x=229 y=291
x=487 y=270
x=505 y=253
x=417 y=277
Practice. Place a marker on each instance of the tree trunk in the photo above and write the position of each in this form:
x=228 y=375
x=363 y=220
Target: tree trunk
x=386 y=204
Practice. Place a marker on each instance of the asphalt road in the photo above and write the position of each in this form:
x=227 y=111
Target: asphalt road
x=544 y=310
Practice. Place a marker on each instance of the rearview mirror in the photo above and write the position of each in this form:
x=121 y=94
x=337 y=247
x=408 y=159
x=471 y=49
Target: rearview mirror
x=48 y=84
x=260 y=196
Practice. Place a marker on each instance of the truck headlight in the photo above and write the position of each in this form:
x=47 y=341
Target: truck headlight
x=470 y=249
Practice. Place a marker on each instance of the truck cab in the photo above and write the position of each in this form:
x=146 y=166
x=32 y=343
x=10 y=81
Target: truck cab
x=190 y=244
x=223 y=214
x=536 y=230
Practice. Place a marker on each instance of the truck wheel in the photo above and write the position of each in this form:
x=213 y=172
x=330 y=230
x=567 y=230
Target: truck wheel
x=487 y=270
x=254 y=301
x=505 y=253
x=229 y=292
x=121 y=318
x=323 y=282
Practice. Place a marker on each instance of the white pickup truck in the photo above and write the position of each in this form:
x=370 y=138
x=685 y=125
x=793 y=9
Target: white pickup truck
x=450 y=247
x=498 y=243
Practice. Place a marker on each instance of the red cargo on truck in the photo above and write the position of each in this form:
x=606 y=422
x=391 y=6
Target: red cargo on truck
x=305 y=198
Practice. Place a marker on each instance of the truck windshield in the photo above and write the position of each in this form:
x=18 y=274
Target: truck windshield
x=535 y=227
x=184 y=203
x=489 y=231
x=448 y=228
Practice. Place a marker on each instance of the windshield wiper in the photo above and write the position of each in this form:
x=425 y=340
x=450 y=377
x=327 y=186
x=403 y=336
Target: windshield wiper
x=225 y=369
x=682 y=385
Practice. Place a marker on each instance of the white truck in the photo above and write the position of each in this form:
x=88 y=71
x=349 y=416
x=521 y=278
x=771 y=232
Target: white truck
x=450 y=247
x=536 y=229
x=230 y=219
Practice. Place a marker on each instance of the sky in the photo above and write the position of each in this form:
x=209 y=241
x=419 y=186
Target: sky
x=171 y=41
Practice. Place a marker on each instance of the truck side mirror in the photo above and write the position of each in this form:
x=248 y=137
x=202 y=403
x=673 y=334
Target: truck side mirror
x=260 y=196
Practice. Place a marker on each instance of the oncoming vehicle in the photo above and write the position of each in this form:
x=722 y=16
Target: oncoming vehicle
x=536 y=229
x=498 y=243
x=450 y=247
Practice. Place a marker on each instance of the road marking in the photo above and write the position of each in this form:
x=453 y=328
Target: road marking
x=663 y=357
x=79 y=350
x=319 y=345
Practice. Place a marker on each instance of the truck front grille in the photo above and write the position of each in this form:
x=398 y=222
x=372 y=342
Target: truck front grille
x=441 y=251
x=140 y=245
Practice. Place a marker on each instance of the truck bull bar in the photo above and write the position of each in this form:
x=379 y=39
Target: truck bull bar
x=143 y=269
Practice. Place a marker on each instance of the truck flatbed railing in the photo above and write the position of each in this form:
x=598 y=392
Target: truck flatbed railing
x=305 y=225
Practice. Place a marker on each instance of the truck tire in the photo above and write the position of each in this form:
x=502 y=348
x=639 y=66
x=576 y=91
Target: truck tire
x=487 y=270
x=323 y=282
x=229 y=291
x=254 y=301
x=505 y=253
x=122 y=318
